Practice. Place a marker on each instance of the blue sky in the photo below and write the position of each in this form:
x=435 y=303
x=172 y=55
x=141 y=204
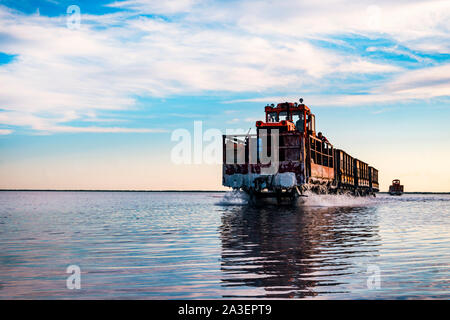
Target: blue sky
x=94 y=107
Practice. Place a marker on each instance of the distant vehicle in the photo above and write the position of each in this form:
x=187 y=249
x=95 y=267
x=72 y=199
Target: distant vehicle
x=396 y=189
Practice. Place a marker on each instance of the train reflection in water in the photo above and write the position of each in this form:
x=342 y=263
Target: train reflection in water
x=287 y=252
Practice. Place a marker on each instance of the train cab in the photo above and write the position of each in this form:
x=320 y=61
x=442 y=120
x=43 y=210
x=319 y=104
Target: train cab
x=288 y=117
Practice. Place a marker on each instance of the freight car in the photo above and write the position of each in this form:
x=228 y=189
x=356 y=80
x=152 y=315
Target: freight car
x=285 y=158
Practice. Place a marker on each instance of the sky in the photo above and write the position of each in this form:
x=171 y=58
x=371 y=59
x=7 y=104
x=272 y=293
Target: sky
x=91 y=101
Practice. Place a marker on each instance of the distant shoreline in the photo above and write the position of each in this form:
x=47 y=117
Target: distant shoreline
x=161 y=191
x=81 y=190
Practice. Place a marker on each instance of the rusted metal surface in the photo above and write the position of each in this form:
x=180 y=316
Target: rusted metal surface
x=373 y=179
x=361 y=173
x=318 y=171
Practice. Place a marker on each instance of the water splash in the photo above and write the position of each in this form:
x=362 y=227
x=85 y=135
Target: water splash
x=234 y=198
x=239 y=198
x=332 y=200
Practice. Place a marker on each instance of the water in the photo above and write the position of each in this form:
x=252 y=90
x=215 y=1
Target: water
x=136 y=245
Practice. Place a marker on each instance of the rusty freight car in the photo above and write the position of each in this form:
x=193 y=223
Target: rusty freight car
x=286 y=158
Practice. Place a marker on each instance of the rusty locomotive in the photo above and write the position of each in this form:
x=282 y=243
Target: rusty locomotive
x=396 y=189
x=286 y=159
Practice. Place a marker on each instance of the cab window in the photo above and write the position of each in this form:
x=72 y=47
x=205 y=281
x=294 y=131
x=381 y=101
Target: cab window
x=283 y=115
x=272 y=117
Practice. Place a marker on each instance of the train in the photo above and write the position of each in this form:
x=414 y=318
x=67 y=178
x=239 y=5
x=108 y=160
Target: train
x=286 y=159
x=396 y=189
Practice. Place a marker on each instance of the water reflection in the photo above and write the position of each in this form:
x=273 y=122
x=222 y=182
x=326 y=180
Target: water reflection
x=294 y=252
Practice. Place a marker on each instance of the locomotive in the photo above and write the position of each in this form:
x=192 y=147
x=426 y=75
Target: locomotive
x=286 y=159
x=396 y=189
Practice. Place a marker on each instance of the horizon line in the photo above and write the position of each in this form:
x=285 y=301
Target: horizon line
x=174 y=190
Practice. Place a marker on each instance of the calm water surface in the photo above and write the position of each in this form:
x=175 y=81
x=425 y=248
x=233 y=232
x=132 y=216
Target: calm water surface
x=135 y=245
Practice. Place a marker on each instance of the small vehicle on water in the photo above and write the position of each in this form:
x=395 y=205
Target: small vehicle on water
x=285 y=159
x=396 y=189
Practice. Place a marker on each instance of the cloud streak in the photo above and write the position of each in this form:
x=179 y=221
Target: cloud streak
x=427 y=83
x=5 y=131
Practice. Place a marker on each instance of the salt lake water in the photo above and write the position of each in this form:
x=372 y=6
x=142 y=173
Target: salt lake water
x=193 y=245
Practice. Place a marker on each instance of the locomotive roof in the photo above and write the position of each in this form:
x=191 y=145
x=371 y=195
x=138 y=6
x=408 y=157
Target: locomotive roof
x=288 y=105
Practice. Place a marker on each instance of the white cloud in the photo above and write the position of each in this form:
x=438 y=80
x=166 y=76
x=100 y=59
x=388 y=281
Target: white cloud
x=155 y=6
x=61 y=75
x=53 y=125
x=426 y=83
x=234 y=120
x=71 y=129
x=412 y=22
x=5 y=131
x=396 y=50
